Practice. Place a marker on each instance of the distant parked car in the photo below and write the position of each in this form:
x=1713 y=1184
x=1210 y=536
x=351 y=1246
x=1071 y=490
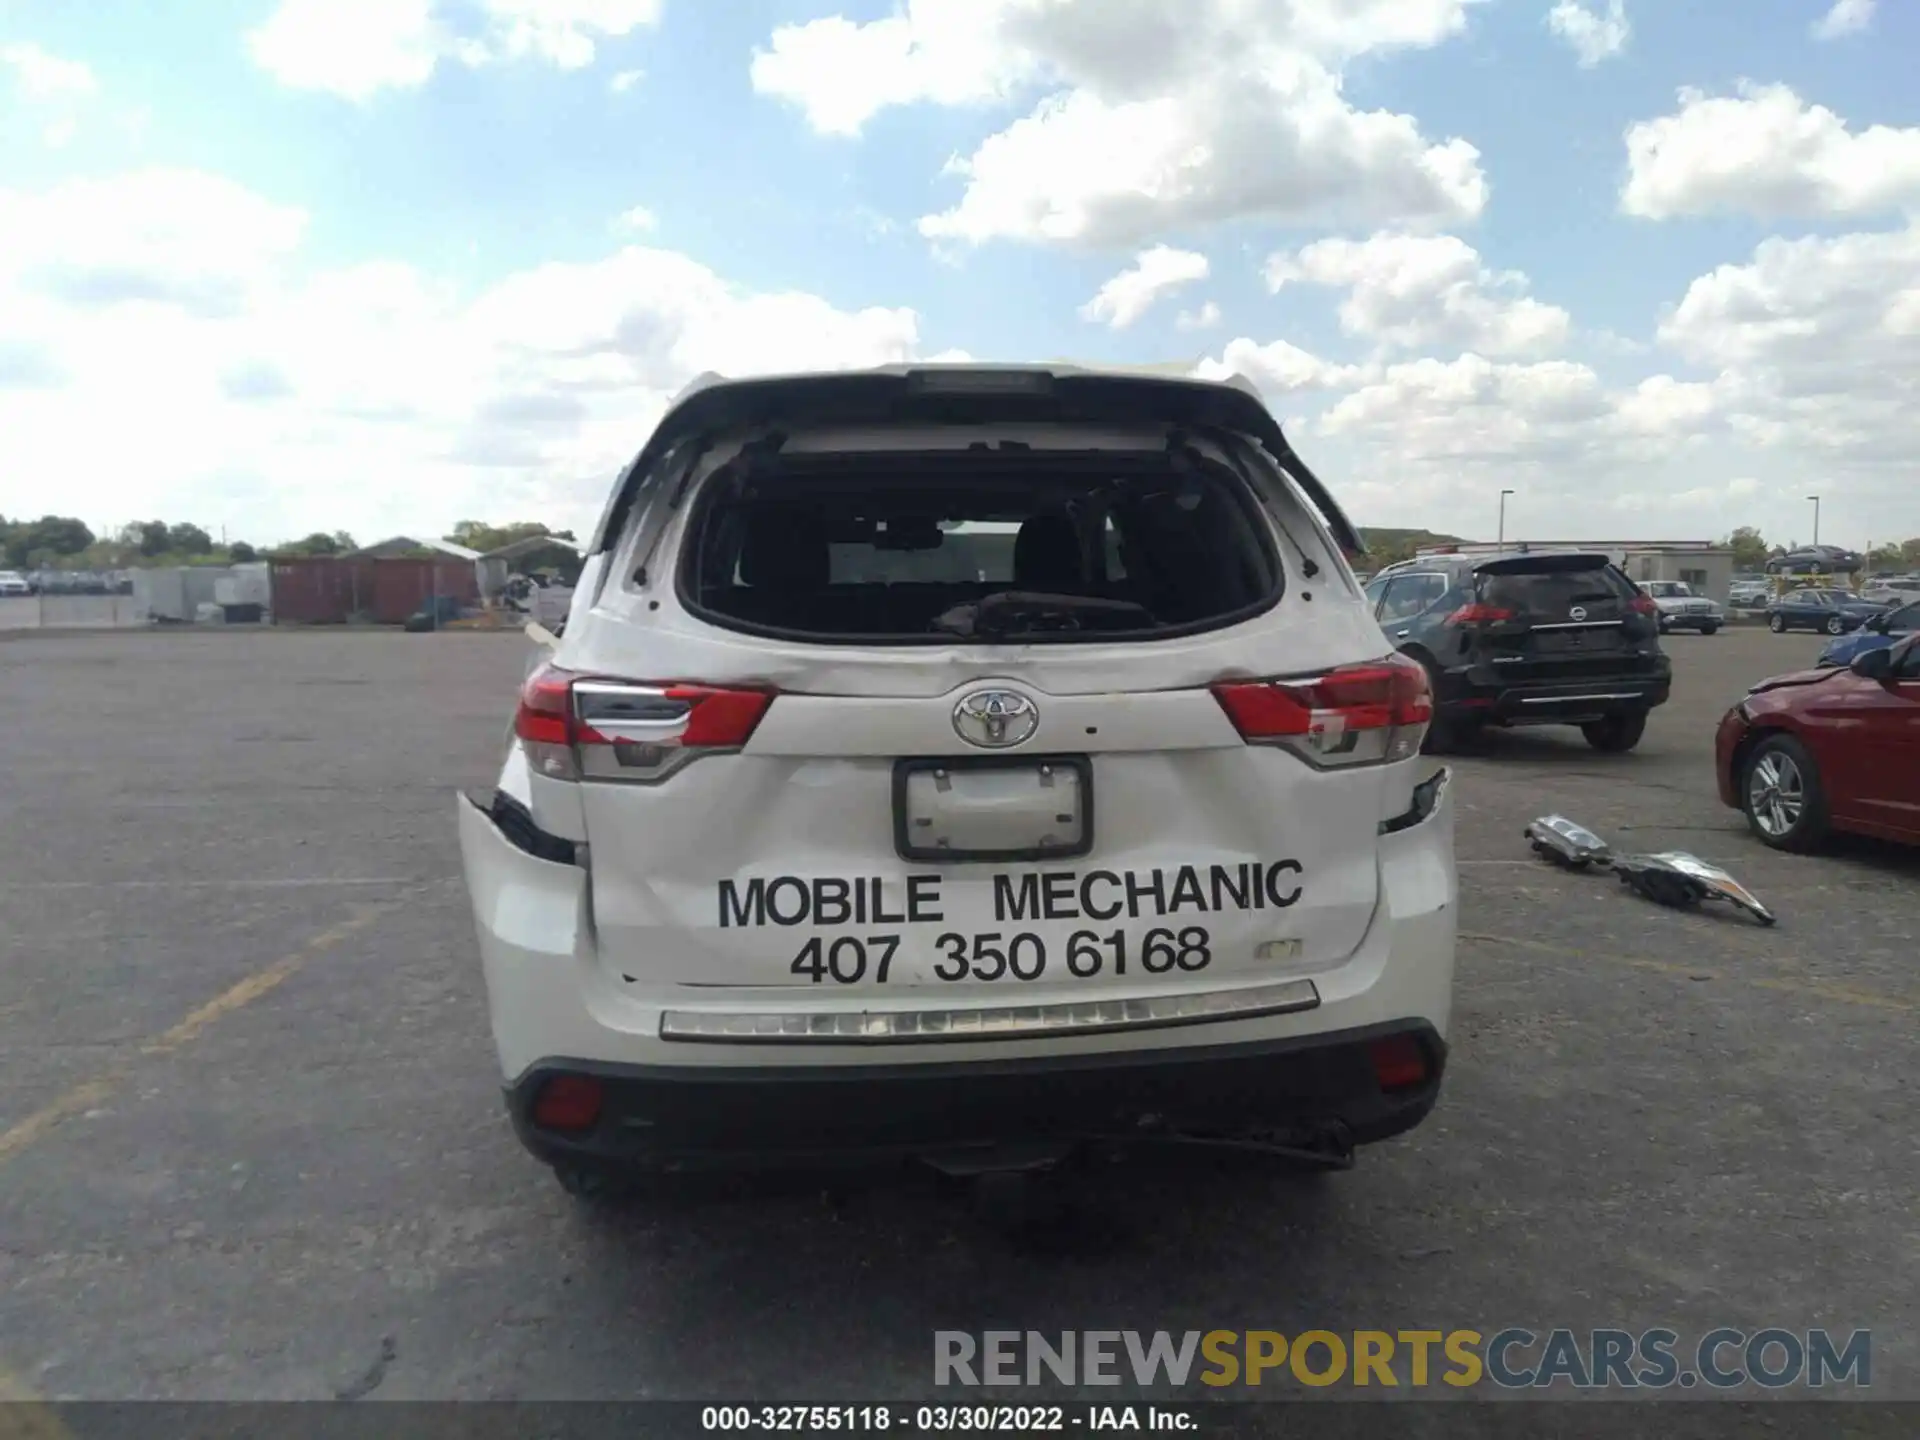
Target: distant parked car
x=1749 y=594
x=1823 y=750
x=14 y=583
x=1838 y=612
x=1891 y=590
x=1880 y=632
x=1817 y=560
x=1681 y=609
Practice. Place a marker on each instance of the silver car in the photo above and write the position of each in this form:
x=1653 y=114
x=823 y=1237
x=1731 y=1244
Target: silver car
x=1681 y=609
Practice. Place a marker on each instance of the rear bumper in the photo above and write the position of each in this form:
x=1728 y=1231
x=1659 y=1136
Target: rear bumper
x=552 y=1004
x=1694 y=620
x=1297 y=1090
x=1470 y=694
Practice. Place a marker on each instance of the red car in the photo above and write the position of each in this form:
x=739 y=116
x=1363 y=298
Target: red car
x=1832 y=749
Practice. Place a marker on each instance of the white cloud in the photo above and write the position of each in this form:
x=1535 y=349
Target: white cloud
x=1805 y=359
x=1766 y=152
x=1148 y=115
x=1847 y=17
x=1817 y=342
x=357 y=48
x=625 y=80
x=250 y=390
x=350 y=48
x=52 y=91
x=564 y=31
x=39 y=75
x=1205 y=318
x=1425 y=291
x=1593 y=36
x=1155 y=273
x=637 y=221
x=1280 y=368
x=180 y=239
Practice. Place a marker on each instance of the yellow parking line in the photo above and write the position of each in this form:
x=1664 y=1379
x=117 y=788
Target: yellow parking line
x=24 y=1415
x=91 y=1093
x=1819 y=990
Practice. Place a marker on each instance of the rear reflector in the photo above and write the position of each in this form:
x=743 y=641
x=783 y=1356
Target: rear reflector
x=1007 y=1022
x=568 y=1102
x=1399 y=1062
x=574 y=727
x=1368 y=714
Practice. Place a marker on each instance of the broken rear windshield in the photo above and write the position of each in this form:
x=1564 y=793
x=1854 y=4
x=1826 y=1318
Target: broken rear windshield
x=1045 y=548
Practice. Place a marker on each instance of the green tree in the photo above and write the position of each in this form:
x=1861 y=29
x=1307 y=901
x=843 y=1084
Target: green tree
x=185 y=539
x=1901 y=555
x=152 y=537
x=241 y=553
x=52 y=537
x=1749 y=548
x=479 y=535
x=1389 y=547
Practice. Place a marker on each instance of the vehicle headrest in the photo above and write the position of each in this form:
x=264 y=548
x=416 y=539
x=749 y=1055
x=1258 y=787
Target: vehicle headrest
x=785 y=548
x=1046 y=555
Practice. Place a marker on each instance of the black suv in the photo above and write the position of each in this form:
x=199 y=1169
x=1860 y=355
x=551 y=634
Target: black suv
x=1534 y=638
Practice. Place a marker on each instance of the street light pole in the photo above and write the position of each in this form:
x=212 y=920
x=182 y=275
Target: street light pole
x=1501 y=538
x=1816 y=518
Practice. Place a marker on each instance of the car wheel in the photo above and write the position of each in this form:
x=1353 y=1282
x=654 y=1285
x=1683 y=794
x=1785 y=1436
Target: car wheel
x=1444 y=735
x=1616 y=734
x=1444 y=731
x=1777 y=624
x=1836 y=625
x=1713 y=629
x=1666 y=626
x=1780 y=792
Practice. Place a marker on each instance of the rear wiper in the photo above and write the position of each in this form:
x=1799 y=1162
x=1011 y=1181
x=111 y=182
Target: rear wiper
x=1023 y=611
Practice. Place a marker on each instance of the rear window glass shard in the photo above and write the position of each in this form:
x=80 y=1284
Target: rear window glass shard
x=1027 y=547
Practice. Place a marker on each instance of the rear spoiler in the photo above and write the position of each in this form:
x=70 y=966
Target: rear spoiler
x=962 y=394
x=1541 y=562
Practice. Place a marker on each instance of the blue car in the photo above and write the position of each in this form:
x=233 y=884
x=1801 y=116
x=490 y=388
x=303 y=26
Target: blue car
x=1838 y=612
x=1877 y=634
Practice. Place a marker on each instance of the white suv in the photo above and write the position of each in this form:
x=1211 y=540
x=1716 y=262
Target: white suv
x=964 y=764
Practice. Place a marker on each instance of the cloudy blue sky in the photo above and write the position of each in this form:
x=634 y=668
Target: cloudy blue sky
x=273 y=265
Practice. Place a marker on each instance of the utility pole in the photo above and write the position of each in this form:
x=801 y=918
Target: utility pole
x=1816 y=517
x=1501 y=537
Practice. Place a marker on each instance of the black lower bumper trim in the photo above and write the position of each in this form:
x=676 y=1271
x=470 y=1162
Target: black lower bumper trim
x=1559 y=703
x=684 y=1117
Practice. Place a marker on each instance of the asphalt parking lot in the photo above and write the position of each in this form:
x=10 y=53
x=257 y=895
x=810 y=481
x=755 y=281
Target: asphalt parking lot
x=251 y=1144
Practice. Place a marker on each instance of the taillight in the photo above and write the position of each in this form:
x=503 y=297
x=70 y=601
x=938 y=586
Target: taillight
x=1642 y=604
x=1368 y=714
x=1479 y=615
x=575 y=727
x=544 y=722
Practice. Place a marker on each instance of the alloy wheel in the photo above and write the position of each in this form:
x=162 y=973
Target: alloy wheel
x=1776 y=794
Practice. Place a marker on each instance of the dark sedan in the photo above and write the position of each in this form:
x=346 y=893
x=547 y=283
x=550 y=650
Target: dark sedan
x=1838 y=612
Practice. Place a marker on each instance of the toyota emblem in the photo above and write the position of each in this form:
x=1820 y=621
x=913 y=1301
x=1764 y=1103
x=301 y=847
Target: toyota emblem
x=1578 y=612
x=995 y=719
